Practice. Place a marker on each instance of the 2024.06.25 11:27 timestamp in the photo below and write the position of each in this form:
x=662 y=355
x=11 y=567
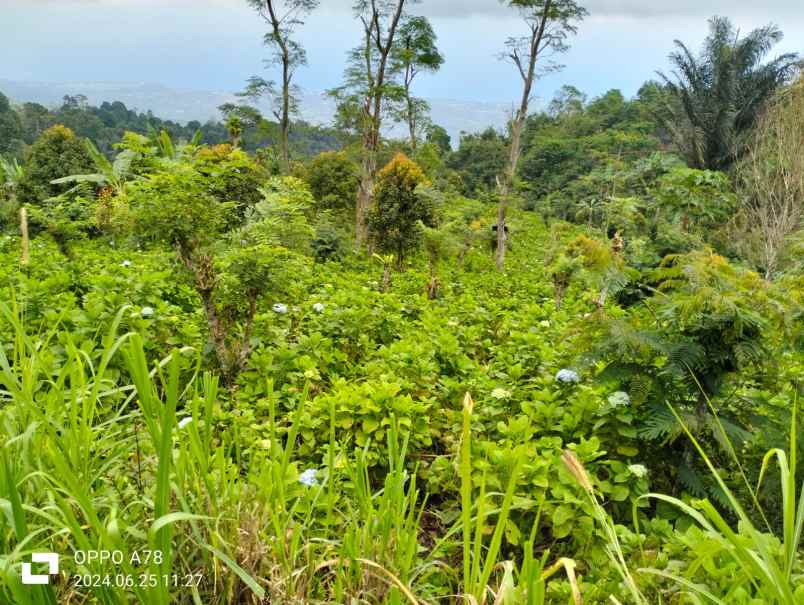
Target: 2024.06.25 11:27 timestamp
x=140 y=580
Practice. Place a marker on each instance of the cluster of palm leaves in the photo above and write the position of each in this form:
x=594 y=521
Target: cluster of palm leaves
x=113 y=174
x=715 y=97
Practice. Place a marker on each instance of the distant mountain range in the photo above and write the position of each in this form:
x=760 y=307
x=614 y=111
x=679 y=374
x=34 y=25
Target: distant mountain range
x=183 y=106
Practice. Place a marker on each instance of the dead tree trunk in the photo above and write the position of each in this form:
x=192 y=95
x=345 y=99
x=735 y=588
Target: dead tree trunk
x=525 y=62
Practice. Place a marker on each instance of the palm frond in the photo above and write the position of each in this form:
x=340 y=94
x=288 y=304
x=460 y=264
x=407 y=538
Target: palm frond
x=721 y=91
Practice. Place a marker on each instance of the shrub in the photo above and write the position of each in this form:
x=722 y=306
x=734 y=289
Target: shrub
x=399 y=207
x=364 y=413
x=230 y=269
x=232 y=176
x=328 y=242
x=333 y=180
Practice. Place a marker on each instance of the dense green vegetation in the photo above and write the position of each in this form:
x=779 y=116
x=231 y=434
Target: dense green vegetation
x=300 y=377
x=21 y=126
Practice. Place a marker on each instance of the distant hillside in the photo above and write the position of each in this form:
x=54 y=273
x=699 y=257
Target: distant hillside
x=106 y=122
x=187 y=105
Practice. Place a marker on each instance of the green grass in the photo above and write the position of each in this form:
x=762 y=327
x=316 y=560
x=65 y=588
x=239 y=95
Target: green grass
x=78 y=475
x=89 y=464
x=766 y=562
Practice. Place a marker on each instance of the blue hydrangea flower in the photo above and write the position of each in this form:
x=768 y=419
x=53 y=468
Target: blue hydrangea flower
x=567 y=376
x=308 y=477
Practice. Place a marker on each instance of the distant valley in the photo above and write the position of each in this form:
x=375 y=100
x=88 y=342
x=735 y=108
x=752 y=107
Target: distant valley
x=179 y=105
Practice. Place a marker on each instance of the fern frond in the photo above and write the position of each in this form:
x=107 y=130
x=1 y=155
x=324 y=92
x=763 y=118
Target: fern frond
x=640 y=387
x=661 y=424
x=686 y=356
x=692 y=480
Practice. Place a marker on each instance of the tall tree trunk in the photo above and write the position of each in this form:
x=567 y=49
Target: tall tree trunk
x=386 y=276
x=368 y=171
x=373 y=113
x=285 y=125
x=365 y=196
x=505 y=184
x=287 y=76
x=411 y=109
x=412 y=125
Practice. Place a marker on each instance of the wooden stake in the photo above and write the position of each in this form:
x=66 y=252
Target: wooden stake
x=24 y=257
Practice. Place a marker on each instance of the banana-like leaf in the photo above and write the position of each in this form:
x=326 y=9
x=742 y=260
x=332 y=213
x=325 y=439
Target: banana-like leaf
x=100 y=179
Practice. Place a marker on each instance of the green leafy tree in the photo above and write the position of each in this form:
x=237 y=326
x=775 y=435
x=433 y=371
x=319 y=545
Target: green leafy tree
x=440 y=242
x=35 y=119
x=609 y=109
x=428 y=157
x=10 y=127
x=415 y=52
x=110 y=185
x=245 y=121
x=697 y=199
x=552 y=161
x=286 y=204
x=56 y=154
x=708 y=324
x=479 y=159
x=233 y=177
x=369 y=86
x=234 y=125
x=282 y=17
x=580 y=155
x=568 y=101
x=395 y=220
x=333 y=180
x=717 y=95
x=438 y=136
x=549 y=24
x=11 y=174
x=174 y=207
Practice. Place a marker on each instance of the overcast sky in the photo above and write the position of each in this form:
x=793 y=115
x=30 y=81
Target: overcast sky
x=216 y=44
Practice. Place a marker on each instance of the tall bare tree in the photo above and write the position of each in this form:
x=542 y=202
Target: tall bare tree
x=549 y=24
x=282 y=17
x=772 y=176
x=369 y=83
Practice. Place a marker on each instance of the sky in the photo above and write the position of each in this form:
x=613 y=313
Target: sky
x=216 y=44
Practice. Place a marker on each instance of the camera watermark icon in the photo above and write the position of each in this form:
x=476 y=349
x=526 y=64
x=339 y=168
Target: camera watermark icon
x=52 y=560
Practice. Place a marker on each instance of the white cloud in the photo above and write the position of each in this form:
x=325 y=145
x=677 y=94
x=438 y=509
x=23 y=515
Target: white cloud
x=770 y=10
